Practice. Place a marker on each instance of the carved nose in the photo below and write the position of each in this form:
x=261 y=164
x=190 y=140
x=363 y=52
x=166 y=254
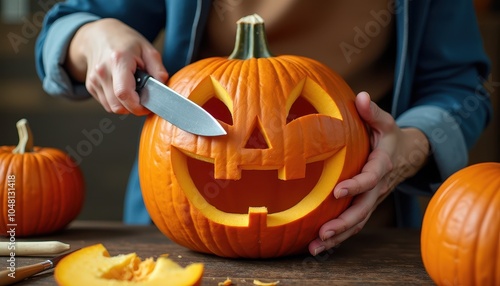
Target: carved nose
x=257 y=138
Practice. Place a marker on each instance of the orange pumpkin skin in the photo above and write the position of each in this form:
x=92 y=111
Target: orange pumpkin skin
x=460 y=238
x=222 y=195
x=45 y=194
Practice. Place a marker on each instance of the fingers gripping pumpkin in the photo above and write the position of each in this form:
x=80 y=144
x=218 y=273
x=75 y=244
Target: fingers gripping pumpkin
x=265 y=188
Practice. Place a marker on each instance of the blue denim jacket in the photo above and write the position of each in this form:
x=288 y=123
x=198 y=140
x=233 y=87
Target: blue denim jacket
x=438 y=85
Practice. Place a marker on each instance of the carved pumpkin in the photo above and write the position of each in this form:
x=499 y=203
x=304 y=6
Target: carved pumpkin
x=265 y=188
x=42 y=189
x=461 y=228
x=92 y=265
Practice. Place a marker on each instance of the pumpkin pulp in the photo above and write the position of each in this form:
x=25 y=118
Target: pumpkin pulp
x=93 y=265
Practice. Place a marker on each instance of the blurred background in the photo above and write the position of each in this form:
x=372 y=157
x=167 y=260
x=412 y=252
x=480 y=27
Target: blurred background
x=63 y=124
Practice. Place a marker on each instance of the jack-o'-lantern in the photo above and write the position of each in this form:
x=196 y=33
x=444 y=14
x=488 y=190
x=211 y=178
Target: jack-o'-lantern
x=265 y=188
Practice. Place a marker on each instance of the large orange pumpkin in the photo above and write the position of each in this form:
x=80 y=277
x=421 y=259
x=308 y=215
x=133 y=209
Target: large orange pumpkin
x=42 y=189
x=265 y=188
x=461 y=228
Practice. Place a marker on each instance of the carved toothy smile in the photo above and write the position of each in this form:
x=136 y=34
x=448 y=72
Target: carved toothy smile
x=255 y=188
x=213 y=196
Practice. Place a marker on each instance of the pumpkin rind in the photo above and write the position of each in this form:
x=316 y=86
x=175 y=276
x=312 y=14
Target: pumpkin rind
x=92 y=265
x=259 y=94
x=47 y=192
x=460 y=239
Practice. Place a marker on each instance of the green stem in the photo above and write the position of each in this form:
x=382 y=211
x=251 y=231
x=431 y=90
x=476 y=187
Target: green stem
x=25 y=138
x=251 y=39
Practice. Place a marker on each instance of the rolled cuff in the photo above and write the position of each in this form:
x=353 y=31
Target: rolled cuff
x=57 y=82
x=448 y=155
x=447 y=142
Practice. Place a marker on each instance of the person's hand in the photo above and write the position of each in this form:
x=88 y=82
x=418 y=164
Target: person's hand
x=105 y=54
x=396 y=154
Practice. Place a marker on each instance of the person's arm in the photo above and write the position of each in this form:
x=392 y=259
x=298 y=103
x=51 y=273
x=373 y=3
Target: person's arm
x=383 y=170
x=448 y=110
x=451 y=106
x=50 y=53
x=66 y=18
x=105 y=54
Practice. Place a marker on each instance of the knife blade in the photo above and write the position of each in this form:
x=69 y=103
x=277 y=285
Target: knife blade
x=175 y=108
x=11 y=276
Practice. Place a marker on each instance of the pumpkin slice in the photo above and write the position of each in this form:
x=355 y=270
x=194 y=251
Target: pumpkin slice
x=93 y=265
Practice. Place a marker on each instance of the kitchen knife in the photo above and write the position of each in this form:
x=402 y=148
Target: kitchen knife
x=175 y=108
x=11 y=276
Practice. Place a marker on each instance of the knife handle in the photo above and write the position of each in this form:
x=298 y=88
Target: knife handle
x=34 y=248
x=23 y=272
x=140 y=79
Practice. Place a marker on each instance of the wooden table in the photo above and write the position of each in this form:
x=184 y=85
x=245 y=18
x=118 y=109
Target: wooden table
x=383 y=256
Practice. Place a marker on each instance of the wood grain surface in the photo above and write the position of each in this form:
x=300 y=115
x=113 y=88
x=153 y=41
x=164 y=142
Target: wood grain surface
x=378 y=256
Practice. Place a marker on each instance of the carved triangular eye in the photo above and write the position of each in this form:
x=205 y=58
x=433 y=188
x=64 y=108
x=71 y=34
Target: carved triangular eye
x=308 y=97
x=210 y=95
x=219 y=110
x=301 y=107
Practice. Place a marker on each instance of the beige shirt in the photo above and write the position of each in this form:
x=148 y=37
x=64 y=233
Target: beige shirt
x=353 y=37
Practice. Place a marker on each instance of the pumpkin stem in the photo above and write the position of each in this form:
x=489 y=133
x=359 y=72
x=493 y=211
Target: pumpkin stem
x=25 y=138
x=251 y=39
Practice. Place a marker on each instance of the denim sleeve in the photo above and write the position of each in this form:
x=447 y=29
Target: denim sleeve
x=56 y=80
x=64 y=19
x=447 y=99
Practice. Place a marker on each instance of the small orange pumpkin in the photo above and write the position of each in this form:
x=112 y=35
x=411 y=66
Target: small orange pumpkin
x=265 y=188
x=42 y=189
x=460 y=239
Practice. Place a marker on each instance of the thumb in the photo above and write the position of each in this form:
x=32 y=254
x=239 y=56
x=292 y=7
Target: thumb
x=373 y=115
